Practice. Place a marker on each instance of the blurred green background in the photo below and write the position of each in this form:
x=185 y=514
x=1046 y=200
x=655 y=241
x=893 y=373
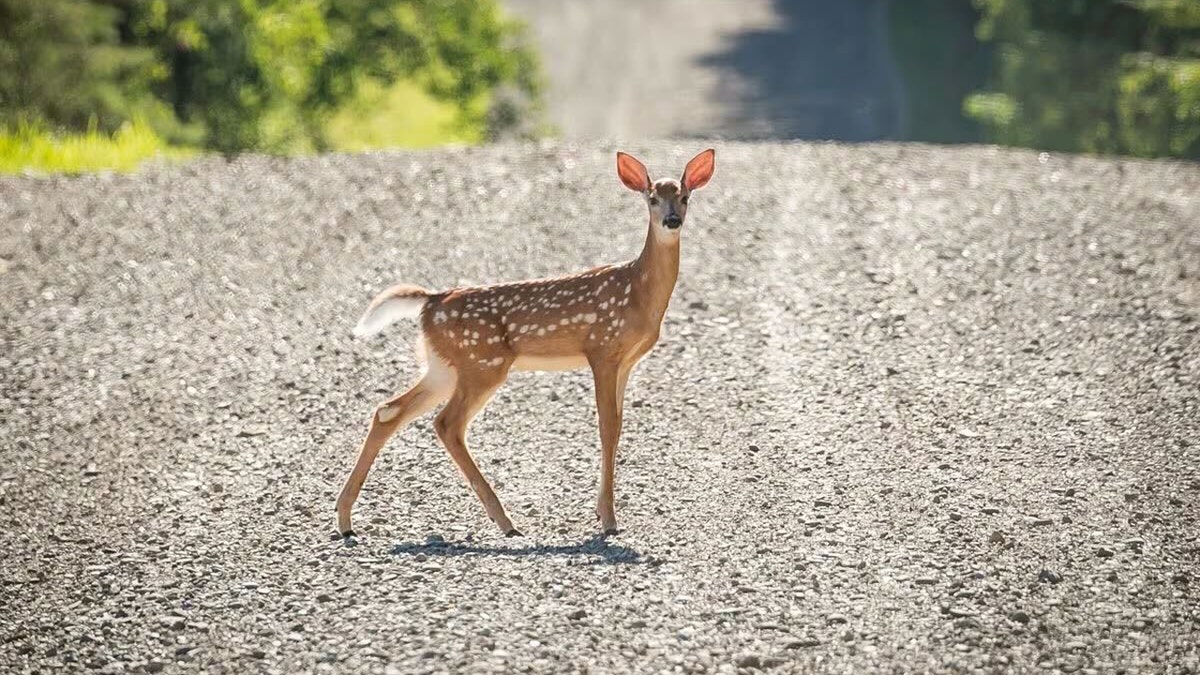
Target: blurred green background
x=89 y=84
x=92 y=83
x=1097 y=76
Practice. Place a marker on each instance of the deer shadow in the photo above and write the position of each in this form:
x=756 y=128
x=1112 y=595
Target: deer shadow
x=597 y=550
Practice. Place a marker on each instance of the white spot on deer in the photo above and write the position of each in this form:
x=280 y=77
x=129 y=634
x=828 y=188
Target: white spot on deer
x=454 y=314
x=590 y=317
x=604 y=305
x=475 y=334
x=628 y=288
x=439 y=317
x=496 y=361
x=564 y=321
x=551 y=327
x=524 y=329
x=541 y=331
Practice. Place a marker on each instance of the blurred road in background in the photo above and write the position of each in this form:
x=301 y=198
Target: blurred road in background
x=752 y=69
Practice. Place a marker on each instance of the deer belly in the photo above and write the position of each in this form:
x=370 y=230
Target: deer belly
x=531 y=362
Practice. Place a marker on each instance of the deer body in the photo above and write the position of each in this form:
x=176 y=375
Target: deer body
x=606 y=318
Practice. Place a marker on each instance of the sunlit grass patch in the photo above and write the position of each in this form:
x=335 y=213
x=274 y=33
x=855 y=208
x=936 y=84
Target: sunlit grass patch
x=399 y=116
x=31 y=147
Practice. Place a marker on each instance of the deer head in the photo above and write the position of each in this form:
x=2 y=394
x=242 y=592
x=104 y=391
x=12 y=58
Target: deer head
x=666 y=199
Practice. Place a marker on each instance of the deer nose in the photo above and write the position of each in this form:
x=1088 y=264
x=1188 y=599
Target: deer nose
x=673 y=221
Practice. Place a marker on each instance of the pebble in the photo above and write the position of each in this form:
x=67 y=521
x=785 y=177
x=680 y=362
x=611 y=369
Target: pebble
x=801 y=643
x=1049 y=576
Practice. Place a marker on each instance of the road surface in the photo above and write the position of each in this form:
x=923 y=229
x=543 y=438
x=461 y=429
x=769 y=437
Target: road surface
x=745 y=69
x=915 y=410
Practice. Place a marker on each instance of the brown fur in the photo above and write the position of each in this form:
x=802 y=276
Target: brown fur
x=606 y=318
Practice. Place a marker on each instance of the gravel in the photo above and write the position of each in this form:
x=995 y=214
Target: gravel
x=877 y=357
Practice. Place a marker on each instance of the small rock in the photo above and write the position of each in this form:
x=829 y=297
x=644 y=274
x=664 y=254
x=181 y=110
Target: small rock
x=1103 y=552
x=749 y=661
x=836 y=618
x=1041 y=522
x=960 y=612
x=801 y=643
x=820 y=503
x=925 y=581
x=637 y=623
x=577 y=614
x=996 y=537
x=1049 y=576
x=1019 y=616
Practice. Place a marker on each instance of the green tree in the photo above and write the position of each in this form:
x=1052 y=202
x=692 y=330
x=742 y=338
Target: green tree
x=1105 y=76
x=234 y=75
x=65 y=62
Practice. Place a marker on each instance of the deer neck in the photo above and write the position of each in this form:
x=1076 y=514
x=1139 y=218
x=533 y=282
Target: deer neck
x=657 y=269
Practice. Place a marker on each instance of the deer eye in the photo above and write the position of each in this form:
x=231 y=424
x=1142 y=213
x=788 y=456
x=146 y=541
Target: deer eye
x=654 y=201
x=683 y=199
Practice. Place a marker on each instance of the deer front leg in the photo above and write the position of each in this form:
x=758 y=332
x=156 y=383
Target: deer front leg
x=609 y=381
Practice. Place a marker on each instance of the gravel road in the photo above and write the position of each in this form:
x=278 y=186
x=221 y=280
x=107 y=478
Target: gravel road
x=915 y=409
x=743 y=69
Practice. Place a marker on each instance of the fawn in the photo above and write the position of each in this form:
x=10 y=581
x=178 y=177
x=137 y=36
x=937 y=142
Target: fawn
x=606 y=319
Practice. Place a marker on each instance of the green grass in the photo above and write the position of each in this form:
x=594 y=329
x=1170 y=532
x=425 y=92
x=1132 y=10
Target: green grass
x=399 y=116
x=33 y=148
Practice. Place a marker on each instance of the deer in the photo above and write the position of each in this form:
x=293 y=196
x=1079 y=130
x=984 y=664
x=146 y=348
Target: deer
x=606 y=319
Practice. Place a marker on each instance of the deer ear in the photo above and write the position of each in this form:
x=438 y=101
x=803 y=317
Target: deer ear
x=632 y=172
x=699 y=170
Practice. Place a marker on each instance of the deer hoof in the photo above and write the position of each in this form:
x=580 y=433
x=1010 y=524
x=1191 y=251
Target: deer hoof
x=514 y=532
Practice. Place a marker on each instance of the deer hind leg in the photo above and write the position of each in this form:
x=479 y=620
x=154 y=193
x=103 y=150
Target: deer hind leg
x=470 y=395
x=387 y=419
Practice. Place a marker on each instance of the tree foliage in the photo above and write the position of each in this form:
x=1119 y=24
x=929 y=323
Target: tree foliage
x=247 y=74
x=1106 y=76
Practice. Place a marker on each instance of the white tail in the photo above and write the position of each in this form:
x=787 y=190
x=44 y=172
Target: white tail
x=403 y=301
x=605 y=319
